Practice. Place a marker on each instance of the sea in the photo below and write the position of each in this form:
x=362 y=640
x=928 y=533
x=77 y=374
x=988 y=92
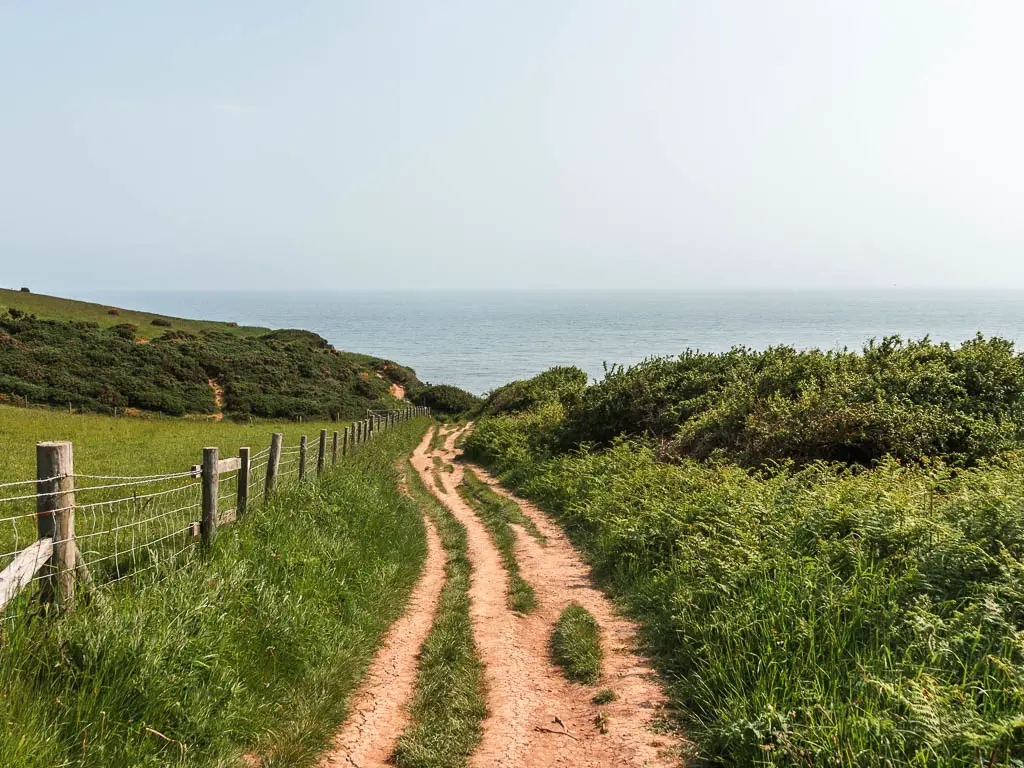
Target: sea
x=479 y=341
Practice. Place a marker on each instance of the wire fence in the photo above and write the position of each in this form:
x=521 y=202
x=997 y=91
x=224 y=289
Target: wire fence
x=91 y=531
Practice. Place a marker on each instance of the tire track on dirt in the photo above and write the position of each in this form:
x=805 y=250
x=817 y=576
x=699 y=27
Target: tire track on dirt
x=528 y=698
x=378 y=712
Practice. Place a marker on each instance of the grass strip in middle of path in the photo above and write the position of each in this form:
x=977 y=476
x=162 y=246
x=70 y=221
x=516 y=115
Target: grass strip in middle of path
x=450 y=702
x=496 y=517
x=576 y=645
x=500 y=505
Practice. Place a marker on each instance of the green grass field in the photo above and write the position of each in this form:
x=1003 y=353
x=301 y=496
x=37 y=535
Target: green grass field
x=251 y=648
x=55 y=308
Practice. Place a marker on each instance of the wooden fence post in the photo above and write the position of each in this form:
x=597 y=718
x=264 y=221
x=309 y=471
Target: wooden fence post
x=334 y=448
x=302 y=459
x=321 y=456
x=243 y=482
x=344 y=442
x=273 y=463
x=211 y=487
x=55 y=518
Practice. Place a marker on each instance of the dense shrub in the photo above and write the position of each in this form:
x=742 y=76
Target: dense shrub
x=282 y=374
x=446 y=399
x=909 y=400
x=554 y=384
x=160 y=322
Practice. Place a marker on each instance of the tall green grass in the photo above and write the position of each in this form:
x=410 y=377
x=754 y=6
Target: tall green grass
x=496 y=518
x=253 y=648
x=450 y=702
x=826 y=616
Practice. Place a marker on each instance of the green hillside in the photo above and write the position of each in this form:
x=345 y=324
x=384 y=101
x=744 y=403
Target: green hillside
x=106 y=316
x=65 y=357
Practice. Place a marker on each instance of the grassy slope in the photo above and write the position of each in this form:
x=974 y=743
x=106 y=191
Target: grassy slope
x=256 y=646
x=55 y=308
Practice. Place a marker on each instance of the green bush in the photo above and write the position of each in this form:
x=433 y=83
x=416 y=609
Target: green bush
x=446 y=399
x=909 y=400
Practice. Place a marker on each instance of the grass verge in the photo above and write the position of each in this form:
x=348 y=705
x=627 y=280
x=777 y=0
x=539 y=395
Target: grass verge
x=521 y=597
x=576 y=645
x=450 y=703
x=254 y=648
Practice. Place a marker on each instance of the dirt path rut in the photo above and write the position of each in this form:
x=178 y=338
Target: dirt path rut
x=537 y=718
x=378 y=713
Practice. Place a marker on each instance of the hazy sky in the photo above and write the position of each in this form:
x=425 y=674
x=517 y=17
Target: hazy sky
x=538 y=143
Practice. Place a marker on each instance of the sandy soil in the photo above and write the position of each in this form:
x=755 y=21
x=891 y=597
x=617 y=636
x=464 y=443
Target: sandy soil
x=378 y=712
x=537 y=718
x=397 y=390
x=218 y=398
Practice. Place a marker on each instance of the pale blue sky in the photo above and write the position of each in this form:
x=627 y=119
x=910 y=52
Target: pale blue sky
x=536 y=143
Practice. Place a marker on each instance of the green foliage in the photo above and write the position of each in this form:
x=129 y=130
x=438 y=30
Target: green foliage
x=606 y=696
x=816 y=616
x=279 y=375
x=496 y=517
x=160 y=322
x=576 y=645
x=909 y=400
x=450 y=702
x=553 y=385
x=446 y=399
x=254 y=648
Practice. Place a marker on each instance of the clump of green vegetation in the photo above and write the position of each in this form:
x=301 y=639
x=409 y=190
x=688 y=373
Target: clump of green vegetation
x=450 y=702
x=445 y=399
x=806 y=616
x=606 y=696
x=278 y=375
x=576 y=645
x=160 y=322
x=909 y=400
x=518 y=396
x=253 y=648
x=521 y=596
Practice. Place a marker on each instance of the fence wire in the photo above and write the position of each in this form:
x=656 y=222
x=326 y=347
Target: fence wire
x=129 y=525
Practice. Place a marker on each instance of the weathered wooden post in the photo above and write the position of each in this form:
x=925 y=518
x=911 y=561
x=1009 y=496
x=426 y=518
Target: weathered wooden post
x=273 y=463
x=334 y=448
x=243 y=481
x=302 y=459
x=344 y=443
x=321 y=455
x=211 y=487
x=55 y=514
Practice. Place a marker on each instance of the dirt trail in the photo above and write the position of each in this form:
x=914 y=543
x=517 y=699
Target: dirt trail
x=218 y=398
x=378 y=712
x=526 y=693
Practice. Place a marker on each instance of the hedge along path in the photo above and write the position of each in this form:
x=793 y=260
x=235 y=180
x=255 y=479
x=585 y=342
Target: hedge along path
x=378 y=712
x=537 y=718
